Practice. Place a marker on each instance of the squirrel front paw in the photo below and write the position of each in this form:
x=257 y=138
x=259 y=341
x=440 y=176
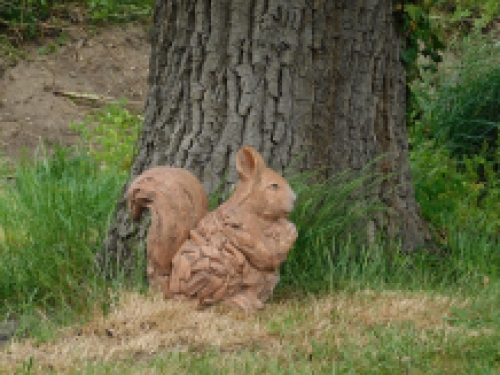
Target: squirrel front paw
x=291 y=231
x=284 y=240
x=286 y=234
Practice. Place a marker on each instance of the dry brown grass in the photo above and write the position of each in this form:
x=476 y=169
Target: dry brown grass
x=140 y=326
x=350 y=317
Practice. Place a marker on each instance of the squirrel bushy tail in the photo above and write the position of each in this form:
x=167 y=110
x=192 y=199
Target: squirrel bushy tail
x=177 y=202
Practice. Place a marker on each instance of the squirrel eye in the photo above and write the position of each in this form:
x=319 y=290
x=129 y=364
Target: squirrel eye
x=274 y=186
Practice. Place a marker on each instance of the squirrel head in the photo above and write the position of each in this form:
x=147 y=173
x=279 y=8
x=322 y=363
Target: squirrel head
x=260 y=190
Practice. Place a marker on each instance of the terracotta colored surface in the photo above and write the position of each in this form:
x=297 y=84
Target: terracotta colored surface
x=233 y=254
x=177 y=202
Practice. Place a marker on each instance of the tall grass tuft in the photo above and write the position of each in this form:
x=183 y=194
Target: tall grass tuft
x=53 y=216
x=332 y=219
x=461 y=110
x=334 y=249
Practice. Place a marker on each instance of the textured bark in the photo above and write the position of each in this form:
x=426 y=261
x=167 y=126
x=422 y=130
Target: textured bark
x=322 y=79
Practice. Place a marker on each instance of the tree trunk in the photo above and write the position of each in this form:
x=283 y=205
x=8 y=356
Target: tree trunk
x=317 y=78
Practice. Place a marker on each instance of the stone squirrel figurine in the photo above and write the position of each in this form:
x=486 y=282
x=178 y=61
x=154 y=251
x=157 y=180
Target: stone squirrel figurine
x=232 y=254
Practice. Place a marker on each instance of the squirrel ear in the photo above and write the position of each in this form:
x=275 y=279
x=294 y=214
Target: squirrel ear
x=249 y=163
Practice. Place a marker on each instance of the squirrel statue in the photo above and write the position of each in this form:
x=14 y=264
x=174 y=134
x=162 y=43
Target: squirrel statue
x=230 y=255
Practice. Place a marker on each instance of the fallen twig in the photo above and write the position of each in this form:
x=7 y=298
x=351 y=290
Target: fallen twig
x=96 y=98
x=84 y=96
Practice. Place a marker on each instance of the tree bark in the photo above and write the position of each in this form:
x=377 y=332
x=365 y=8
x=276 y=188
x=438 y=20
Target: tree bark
x=321 y=78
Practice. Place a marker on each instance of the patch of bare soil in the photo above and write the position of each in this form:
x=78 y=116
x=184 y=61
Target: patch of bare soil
x=40 y=96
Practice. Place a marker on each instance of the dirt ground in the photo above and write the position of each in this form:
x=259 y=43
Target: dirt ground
x=39 y=96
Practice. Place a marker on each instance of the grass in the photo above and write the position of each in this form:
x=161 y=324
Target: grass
x=9 y=54
x=455 y=155
x=460 y=103
x=325 y=215
x=110 y=134
x=37 y=19
x=464 y=15
x=365 y=331
x=26 y=17
x=53 y=217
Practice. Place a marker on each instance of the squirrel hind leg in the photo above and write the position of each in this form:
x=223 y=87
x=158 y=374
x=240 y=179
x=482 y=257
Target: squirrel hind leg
x=163 y=283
